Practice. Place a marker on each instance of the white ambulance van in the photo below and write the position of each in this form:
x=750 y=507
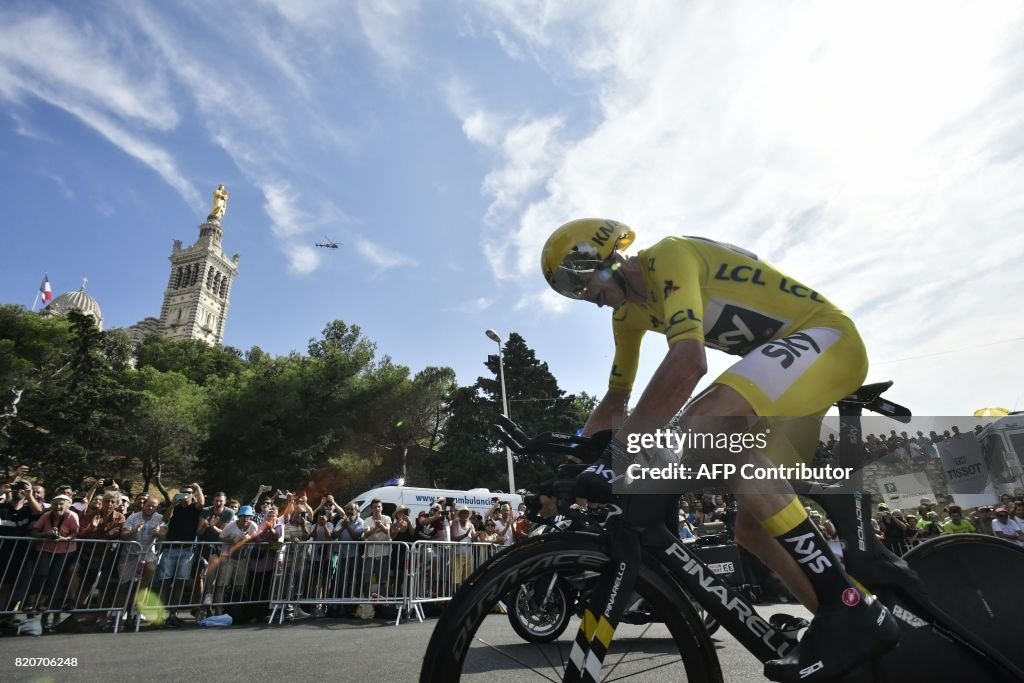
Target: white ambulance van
x=418 y=499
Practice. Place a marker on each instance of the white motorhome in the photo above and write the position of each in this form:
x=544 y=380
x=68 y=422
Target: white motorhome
x=418 y=499
x=1002 y=447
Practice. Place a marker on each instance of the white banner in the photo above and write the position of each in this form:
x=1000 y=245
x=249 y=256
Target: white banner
x=965 y=471
x=905 y=491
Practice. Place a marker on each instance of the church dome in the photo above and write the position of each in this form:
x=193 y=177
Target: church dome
x=77 y=301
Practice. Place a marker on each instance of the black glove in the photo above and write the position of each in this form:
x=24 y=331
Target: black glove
x=595 y=483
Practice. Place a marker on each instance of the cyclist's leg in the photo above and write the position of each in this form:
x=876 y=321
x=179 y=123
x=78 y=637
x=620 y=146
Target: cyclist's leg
x=801 y=375
x=723 y=401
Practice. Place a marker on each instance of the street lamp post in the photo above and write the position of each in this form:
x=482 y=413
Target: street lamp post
x=493 y=336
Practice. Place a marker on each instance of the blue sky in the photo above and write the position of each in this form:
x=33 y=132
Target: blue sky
x=873 y=151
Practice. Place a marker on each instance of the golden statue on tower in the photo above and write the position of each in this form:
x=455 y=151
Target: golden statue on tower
x=220 y=202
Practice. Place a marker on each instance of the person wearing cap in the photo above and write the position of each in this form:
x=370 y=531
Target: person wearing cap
x=1007 y=527
x=982 y=520
x=58 y=528
x=429 y=523
x=235 y=559
x=929 y=526
x=957 y=524
x=462 y=532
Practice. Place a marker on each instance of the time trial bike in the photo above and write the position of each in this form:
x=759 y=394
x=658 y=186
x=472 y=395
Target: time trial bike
x=956 y=598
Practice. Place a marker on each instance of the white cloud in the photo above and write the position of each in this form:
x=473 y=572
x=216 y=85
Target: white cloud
x=868 y=149
x=48 y=53
x=302 y=258
x=26 y=130
x=60 y=182
x=380 y=256
x=280 y=202
x=385 y=24
x=542 y=300
x=157 y=158
x=76 y=68
x=477 y=305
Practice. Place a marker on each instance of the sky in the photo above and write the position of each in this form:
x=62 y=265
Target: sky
x=873 y=150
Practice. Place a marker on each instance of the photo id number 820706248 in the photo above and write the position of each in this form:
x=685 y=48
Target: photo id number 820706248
x=46 y=661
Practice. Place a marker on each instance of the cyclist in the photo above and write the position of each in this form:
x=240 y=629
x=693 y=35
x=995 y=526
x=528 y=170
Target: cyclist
x=799 y=353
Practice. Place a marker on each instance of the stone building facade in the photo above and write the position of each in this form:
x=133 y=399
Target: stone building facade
x=198 y=292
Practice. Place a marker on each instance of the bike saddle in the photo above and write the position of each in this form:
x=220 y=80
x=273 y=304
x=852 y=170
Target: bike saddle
x=867 y=393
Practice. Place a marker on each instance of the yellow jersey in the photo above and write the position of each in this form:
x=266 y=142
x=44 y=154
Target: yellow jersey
x=720 y=294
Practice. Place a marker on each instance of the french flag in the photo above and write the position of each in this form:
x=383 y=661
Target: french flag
x=44 y=290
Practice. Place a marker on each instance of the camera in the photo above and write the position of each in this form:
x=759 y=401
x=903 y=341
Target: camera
x=181 y=496
x=55 y=533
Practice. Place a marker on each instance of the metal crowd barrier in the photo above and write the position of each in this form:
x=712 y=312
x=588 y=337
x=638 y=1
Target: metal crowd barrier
x=332 y=573
x=438 y=568
x=39 y=576
x=209 y=578
x=122 y=580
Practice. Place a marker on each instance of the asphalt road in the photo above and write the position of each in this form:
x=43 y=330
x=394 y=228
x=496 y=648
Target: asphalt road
x=326 y=649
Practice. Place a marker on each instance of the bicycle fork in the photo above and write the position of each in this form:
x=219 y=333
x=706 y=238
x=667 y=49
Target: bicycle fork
x=604 y=609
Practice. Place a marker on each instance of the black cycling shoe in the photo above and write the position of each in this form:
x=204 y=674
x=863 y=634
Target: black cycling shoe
x=839 y=639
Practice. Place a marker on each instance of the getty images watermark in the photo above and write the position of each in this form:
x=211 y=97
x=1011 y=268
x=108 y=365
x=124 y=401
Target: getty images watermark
x=666 y=443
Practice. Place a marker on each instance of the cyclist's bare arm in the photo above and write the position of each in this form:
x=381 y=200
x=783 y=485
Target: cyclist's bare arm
x=612 y=406
x=671 y=386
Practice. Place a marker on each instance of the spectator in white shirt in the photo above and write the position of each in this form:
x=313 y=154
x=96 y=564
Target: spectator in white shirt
x=503 y=524
x=140 y=527
x=377 y=554
x=236 y=557
x=1008 y=528
x=462 y=531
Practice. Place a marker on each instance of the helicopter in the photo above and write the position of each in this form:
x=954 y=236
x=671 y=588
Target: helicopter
x=329 y=244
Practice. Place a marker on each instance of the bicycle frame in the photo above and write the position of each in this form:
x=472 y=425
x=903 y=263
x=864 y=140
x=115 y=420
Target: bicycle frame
x=640 y=534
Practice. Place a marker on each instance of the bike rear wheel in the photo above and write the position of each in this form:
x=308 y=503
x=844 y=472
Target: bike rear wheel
x=467 y=645
x=974 y=579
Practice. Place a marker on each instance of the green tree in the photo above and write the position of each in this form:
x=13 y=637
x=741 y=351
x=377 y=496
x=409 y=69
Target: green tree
x=472 y=455
x=170 y=426
x=195 y=359
x=284 y=420
x=34 y=351
x=74 y=422
x=416 y=420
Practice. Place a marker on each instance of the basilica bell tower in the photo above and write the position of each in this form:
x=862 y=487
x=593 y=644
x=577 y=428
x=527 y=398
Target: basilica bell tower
x=199 y=288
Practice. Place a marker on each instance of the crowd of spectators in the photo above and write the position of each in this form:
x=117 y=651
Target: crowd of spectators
x=908 y=450
x=275 y=517
x=186 y=533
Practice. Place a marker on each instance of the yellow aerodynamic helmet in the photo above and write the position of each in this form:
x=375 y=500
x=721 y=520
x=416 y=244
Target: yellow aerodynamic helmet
x=576 y=251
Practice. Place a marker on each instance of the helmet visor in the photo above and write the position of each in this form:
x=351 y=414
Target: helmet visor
x=574 y=274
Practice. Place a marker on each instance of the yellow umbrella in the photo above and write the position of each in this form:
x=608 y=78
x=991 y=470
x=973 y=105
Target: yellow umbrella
x=991 y=412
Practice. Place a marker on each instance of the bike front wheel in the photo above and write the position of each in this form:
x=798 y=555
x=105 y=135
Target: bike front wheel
x=539 y=611
x=469 y=644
